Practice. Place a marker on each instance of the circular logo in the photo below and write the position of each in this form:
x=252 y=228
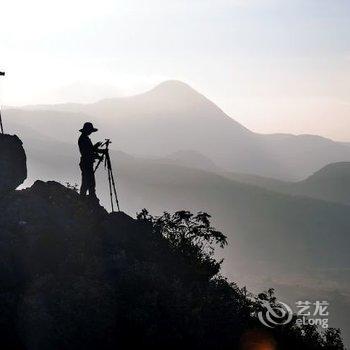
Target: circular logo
x=276 y=315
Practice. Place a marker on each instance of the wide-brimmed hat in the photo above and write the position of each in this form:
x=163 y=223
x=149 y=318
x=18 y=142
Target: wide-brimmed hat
x=88 y=127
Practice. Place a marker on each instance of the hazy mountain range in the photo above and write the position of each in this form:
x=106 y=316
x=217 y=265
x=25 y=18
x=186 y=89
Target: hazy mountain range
x=173 y=117
x=174 y=149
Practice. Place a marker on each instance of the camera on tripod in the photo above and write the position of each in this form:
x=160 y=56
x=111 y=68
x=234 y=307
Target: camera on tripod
x=108 y=165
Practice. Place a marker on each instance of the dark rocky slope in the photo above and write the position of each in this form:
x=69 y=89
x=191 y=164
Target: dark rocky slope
x=76 y=277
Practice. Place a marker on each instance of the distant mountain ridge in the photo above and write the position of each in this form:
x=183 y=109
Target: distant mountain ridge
x=331 y=183
x=173 y=117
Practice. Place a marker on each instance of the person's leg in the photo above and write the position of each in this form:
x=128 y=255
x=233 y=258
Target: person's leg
x=91 y=181
x=84 y=181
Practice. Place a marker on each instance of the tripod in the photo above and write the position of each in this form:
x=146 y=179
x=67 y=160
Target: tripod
x=108 y=165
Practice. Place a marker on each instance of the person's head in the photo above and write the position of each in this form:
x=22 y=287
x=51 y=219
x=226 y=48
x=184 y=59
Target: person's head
x=88 y=129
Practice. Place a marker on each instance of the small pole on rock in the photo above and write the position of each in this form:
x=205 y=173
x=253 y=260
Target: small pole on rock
x=1 y=127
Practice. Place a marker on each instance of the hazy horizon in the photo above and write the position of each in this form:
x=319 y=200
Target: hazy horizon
x=274 y=66
x=86 y=97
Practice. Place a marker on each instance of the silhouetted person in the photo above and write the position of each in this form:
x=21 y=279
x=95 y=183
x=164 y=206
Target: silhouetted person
x=89 y=153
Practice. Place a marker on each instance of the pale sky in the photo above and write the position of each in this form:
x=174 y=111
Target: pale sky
x=273 y=65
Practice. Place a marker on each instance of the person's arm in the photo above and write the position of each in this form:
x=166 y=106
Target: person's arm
x=97 y=149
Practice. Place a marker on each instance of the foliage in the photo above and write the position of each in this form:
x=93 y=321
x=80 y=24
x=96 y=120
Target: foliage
x=74 y=187
x=332 y=339
x=190 y=235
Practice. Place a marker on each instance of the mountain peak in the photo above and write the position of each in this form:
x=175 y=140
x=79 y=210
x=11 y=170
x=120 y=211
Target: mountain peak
x=174 y=88
x=173 y=84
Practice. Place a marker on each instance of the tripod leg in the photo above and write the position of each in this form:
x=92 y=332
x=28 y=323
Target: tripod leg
x=115 y=193
x=113 y=183
x=110 y=189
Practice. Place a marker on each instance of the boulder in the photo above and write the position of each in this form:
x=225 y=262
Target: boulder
x=13 y=163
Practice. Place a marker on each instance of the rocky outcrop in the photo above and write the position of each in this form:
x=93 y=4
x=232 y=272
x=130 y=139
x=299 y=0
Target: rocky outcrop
x=13 y=163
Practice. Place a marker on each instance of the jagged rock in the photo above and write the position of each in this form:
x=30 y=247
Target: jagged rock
x=13 y=162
